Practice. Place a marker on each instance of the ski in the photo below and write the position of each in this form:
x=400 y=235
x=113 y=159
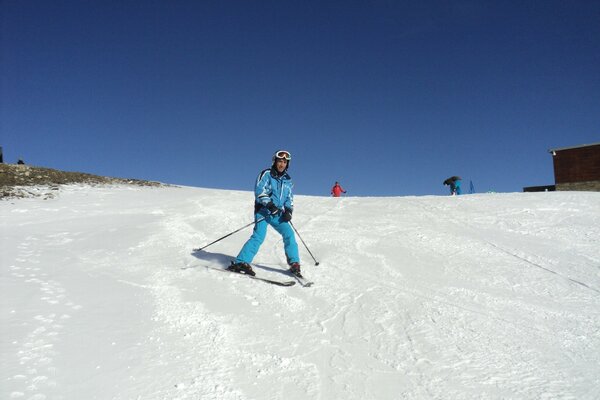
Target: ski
x=271 y=281
x=301 y=280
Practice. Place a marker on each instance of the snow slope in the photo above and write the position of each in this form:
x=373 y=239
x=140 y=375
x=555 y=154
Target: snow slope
x=472 y=297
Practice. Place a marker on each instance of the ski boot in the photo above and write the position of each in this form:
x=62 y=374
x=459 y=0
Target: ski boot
x=295 y=269
x=242 y=268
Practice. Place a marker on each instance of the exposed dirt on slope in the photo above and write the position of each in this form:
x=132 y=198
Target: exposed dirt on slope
x=18 y=181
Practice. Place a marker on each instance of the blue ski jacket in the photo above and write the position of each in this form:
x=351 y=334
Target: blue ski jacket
x=270 y=186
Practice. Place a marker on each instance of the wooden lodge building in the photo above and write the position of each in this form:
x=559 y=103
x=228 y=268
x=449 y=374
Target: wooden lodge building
x=576 y=168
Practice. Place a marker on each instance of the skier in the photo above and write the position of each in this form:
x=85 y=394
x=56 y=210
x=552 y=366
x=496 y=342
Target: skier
x=454 y=183
x=274 y=202
x=337 y=190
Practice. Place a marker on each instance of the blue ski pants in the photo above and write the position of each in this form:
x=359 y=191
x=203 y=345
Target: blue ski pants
x=259 y=234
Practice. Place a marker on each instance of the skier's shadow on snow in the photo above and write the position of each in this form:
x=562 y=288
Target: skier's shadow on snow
x=224 y=261
x=220 y=259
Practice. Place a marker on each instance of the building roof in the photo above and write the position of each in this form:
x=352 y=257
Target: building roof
x=574 y=147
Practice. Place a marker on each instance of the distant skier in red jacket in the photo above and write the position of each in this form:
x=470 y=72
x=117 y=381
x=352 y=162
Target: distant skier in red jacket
x=337 y=190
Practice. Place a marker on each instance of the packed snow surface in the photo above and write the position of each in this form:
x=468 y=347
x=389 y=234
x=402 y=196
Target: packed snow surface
x=472 y=297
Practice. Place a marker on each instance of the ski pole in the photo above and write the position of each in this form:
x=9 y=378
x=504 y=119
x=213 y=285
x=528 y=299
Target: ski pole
x=297 y=233
x=229 y=234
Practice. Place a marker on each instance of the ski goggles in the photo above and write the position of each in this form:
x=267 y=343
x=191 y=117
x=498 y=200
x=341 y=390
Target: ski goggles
x=283 y=154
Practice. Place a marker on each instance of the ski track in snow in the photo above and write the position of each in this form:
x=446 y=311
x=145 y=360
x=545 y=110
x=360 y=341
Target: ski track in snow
x=428 y=298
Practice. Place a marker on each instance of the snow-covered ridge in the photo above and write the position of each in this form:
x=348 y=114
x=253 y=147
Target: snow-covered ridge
x=480 y=296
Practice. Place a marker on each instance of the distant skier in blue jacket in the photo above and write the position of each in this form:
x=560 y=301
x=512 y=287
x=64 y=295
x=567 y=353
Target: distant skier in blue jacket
x=274 y=204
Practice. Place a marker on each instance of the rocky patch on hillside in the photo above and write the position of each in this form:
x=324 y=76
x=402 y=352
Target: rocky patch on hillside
x=19 y=181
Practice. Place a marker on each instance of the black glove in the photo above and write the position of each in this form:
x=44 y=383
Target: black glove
x=273 y=210
x=287 y=215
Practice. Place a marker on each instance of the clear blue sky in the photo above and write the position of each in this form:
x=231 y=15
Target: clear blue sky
x=388 y=97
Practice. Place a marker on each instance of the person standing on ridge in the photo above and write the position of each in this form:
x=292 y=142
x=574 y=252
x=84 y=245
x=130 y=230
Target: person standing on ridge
x=337 y=190
x=274 y=204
